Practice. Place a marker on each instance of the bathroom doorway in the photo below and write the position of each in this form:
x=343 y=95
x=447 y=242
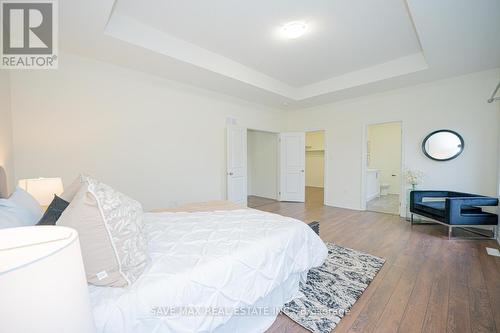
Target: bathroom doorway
x=383 y=167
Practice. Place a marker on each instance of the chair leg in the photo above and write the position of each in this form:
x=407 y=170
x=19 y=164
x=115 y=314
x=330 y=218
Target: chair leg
x=411 y=219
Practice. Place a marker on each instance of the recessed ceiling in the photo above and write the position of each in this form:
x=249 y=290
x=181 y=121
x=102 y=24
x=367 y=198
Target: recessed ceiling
x=343 y=36
x=351 y=48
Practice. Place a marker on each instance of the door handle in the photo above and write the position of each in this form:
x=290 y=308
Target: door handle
x=230 y=174
x=302 y=170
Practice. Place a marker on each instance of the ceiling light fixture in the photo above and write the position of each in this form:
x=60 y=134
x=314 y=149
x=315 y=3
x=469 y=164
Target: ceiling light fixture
x=294 y=29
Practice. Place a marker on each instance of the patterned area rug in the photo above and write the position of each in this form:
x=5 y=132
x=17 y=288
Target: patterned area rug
x=333 y=288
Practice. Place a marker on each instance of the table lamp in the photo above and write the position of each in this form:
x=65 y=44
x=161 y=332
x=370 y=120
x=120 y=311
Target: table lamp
x=43 y=287
x=42 y=189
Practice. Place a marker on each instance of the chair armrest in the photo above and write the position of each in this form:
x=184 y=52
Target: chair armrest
x=471 y=201
x=453 y=207
x=418 y=196
x=453 y=194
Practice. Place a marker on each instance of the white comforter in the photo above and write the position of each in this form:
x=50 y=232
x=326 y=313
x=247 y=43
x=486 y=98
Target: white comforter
x=208 y=261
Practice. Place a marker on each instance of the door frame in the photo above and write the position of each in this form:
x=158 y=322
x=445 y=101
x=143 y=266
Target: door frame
x=232 y=121
x=364 y=151
x=325 y=161
x=277 y=159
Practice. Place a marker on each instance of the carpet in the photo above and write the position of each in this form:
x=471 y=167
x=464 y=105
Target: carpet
x=332 y=289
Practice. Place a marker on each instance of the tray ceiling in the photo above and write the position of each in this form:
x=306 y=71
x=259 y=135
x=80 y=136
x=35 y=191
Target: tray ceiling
x=351 y=47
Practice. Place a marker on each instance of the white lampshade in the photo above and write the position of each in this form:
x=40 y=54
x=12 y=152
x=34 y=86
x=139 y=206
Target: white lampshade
x=43 y=287
x=42 y=189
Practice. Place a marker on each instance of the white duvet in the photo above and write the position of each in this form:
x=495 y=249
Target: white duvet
x=208 y=266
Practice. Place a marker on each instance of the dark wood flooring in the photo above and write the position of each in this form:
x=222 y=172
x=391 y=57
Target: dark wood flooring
x=428 y=283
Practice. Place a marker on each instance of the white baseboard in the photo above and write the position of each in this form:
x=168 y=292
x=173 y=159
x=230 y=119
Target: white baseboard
x=264 y=196
x=373 y=196
x=343 y=207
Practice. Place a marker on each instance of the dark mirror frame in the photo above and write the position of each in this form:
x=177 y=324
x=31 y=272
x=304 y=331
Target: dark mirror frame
x=462 y=145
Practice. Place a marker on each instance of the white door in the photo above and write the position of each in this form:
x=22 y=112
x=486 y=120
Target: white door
x=237 y=165
x=292 y=166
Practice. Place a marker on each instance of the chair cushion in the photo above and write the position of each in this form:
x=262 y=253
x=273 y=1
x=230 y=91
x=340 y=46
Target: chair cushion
x=438 y=208
x=432 y=207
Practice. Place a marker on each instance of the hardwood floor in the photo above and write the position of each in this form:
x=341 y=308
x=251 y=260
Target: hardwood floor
x=314 y=198
x=428 y=283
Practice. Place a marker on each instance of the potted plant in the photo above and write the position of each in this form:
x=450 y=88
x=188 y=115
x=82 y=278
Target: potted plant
x=414 y=178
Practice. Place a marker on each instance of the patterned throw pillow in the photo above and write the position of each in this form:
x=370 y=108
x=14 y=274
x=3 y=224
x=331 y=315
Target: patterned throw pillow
x=109 y=224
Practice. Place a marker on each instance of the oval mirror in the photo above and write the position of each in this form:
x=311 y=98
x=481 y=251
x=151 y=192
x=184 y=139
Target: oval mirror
x=443 y=145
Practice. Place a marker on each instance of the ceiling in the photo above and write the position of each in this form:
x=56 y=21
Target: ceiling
x=352 y=48
x=341 y=33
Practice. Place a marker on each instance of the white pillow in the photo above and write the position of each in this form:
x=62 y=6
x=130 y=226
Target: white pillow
x=20 y=209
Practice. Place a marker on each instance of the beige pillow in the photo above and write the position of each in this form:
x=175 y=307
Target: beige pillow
x=109 y=226
x=70 y=191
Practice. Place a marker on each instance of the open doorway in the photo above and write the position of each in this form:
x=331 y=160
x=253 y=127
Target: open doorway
x=265 y=167
x=315 y=168
x=262 y=166
x=383 y=167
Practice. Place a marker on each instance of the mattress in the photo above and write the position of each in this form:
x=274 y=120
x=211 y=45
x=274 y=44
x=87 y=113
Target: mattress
x=219 y=271
x=205 y=206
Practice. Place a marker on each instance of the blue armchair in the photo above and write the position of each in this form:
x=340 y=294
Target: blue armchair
x=455 y=209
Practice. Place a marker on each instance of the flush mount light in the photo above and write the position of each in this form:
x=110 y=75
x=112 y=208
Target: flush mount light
x=294 y=29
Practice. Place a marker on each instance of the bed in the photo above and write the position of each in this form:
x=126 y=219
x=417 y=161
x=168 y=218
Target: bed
x=215 y=267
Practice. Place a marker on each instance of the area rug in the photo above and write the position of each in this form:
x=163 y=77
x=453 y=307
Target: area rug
x=332 y=289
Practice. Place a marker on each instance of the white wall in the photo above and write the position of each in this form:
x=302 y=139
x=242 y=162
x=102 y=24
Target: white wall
x=384 y=142
x=262 y=164
x=315 y=158
x=6 y=150
x=164 y=143
x=457 y=103
x=158 y=141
